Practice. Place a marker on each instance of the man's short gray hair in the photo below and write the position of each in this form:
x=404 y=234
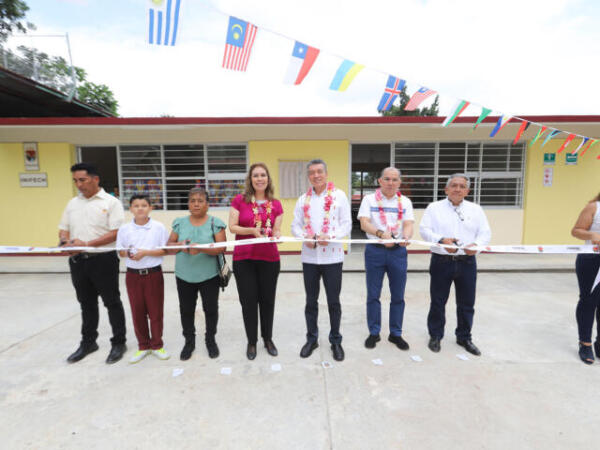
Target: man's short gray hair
x=314 y=162
x=391 y=168
x=459 y=175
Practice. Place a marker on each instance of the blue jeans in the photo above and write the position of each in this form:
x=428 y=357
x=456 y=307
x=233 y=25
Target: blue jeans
x=443 y=273
x=586 y=267
x=378 y=262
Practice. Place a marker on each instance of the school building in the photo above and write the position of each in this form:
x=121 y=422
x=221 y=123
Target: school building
x=531 y=195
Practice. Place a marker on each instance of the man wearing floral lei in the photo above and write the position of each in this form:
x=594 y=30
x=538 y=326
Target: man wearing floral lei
x=320 y=214
x=386 y=214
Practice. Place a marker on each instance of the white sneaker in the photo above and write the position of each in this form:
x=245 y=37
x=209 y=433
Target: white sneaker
x=138 y=356
x=161 y=353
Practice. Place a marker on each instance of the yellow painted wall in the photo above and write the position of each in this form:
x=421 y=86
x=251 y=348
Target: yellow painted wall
x=334 y=153
x=551 y=212
x=31 y=215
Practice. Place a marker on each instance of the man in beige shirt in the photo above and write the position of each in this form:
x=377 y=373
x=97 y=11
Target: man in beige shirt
x=92 y=219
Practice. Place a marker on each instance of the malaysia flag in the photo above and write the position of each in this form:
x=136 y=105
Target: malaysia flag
x=238 y=44
x=303 y=58
x=392 y=89
x=418 y=97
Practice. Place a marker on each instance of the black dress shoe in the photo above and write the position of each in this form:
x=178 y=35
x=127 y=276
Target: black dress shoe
x=116 y=353
x=434 y=345
x=400 y=343
x=338 y=352
x=586 y=354
x=213 y=349
x=372 y=340
x=271 y=349
x=307 y=349
x=187 y=350
x=469 y=346
x=82 y=352
x=251 y=351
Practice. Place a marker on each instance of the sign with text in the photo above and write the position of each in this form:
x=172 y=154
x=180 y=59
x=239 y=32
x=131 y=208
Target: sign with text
x=548 y=176
x=571 y=159
x=33 y=179
x=30 y=154
x=549 y=159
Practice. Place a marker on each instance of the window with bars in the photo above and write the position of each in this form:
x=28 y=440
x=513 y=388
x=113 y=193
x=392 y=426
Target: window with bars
x=167 y=172
x=495 y=170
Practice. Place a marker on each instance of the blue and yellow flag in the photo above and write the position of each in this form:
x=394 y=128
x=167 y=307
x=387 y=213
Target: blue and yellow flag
x=344 y=75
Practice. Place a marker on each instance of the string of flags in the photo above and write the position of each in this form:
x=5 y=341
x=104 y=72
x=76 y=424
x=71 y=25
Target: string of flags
x=163 y=25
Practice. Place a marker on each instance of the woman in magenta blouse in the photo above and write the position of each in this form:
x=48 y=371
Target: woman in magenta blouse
x=253 y=214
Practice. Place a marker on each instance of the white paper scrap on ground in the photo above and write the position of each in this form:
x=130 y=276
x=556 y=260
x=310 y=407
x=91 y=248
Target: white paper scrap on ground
x=462 y=356
x=377 y=362
x=416 y=358
x=225 y=370
x=276 y=367
x=326 y=365
x=177 y=371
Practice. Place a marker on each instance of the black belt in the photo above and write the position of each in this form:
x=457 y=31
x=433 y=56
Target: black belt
x=144 y=271
x=387 y=248
x=84 y=255
x=453 y=257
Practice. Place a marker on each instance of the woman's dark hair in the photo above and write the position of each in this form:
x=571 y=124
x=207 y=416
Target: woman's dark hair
x=249 y=190
x=199 y=191
x=597 y=199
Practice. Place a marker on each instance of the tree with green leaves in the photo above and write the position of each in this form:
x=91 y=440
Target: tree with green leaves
x=12 y=15
x=431 y=110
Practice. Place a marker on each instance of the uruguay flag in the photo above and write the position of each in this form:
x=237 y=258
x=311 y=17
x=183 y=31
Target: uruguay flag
x=392 y=89
x=303 y=58
x=163 y=21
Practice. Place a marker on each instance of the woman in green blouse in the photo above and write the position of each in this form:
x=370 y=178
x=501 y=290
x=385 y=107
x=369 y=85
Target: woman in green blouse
x=196 y=270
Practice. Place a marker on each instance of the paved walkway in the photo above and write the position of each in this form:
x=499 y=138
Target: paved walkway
x=527 y=390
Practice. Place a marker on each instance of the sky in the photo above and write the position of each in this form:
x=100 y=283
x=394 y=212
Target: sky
x=517 y=57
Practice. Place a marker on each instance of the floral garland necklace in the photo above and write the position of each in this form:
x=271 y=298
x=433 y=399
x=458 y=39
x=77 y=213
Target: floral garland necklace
x=379 y=199
x=258 y=218
x=308 y=230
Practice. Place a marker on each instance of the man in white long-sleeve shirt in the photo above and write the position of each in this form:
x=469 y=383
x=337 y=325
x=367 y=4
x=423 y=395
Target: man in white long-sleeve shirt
x=320 y=214
x=454 y=221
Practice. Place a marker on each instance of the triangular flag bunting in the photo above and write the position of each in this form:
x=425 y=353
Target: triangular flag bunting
x=550 y=136
x=592 y=142
x=522 y=129
x=484 y=113
x=537 y=136
x=238 y=44
x=393 y=87
x=458 y=110
x=303 y=58
x=417 y=98
x=344 y=75
x=502 y=121
x=568 y=140
x=581 y=144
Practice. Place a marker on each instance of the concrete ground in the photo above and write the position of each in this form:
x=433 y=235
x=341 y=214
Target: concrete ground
x=528 y=390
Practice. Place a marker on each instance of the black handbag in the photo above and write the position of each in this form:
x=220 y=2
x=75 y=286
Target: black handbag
x=222 y=267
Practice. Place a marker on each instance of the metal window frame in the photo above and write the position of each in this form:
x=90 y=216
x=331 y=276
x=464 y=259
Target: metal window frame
x=163 y=173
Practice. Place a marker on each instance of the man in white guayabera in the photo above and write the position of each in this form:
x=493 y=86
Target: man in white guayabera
x=320 y=214
x=454 y=221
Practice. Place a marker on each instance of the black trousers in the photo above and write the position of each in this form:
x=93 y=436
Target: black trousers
x=188 y=296
x=256 y=284
x=332 y=279
x=92 y=275
x=586 y=267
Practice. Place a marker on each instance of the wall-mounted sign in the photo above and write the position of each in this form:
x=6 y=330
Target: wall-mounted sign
x=548 y=176
x=30 y=153
x=571 y=159
x=549 y=159
x=33 y=179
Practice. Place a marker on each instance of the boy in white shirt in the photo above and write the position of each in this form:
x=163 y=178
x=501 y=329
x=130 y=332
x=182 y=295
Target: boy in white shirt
x=144 y=279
